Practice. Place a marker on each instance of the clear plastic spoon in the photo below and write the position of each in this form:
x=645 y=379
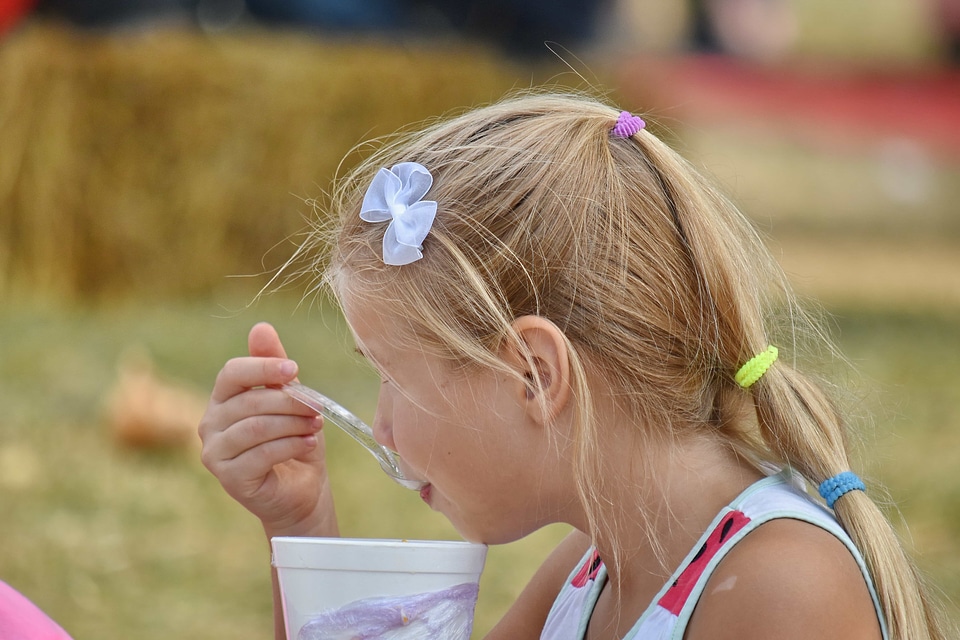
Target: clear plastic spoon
x=354 y=427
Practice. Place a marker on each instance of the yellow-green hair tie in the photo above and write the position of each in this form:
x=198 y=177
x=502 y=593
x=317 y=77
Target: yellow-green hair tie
x=755 y=367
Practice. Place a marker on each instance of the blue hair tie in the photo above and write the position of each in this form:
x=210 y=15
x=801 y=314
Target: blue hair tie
x=833 y=488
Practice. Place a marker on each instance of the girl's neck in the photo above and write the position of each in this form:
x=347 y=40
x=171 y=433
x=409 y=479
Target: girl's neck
x=660 y=505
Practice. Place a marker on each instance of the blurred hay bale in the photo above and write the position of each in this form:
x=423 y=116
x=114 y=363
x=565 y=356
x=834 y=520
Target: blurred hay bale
x=163 y=161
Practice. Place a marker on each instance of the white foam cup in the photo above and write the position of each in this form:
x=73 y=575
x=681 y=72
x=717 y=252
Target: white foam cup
x=320 y=575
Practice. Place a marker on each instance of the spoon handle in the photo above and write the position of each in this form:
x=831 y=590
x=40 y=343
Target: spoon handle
x=352 y=426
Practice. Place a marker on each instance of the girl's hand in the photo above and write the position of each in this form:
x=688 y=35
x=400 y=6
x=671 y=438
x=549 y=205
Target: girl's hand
x=264 y=447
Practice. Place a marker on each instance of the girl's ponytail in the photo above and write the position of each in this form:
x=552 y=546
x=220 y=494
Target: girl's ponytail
x=803 y=427
x=739 y=285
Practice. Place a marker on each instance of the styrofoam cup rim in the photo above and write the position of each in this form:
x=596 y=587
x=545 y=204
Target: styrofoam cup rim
x=378 y=555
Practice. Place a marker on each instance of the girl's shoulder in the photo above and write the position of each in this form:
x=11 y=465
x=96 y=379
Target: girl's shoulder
x=786 y=579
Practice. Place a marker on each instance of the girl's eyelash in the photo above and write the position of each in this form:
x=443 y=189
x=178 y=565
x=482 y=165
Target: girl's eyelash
x=384 y=379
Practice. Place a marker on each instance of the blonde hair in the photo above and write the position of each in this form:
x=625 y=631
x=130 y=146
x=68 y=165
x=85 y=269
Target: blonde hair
x=656 y=280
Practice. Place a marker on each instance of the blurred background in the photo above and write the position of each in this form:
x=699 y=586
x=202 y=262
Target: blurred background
x=159 y=160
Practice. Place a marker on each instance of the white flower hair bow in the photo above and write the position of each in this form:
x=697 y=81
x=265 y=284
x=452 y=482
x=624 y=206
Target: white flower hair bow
x=395 y=195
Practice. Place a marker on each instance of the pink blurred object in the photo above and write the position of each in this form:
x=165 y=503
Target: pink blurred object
x=20 y=619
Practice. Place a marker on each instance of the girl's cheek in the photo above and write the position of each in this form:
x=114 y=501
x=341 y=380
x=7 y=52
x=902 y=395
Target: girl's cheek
x=410 y=436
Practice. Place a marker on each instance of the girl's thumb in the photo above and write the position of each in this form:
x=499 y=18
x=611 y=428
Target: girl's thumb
x=263 y=342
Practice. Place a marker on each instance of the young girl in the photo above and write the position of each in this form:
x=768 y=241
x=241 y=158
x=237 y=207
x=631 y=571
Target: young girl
x=572 y=325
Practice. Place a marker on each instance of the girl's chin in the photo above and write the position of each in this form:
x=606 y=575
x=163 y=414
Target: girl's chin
x=436 y=502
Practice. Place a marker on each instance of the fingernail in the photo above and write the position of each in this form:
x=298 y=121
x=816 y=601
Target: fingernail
x=310 y=441
x=288 y=368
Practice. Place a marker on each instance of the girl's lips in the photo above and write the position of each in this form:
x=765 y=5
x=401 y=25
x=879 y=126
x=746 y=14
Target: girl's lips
x=425 y=493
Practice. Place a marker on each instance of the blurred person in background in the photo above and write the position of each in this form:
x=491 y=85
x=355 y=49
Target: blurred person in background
x=753 y=29
x=519 y=27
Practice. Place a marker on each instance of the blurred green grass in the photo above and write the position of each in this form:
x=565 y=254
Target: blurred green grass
x=116 y=543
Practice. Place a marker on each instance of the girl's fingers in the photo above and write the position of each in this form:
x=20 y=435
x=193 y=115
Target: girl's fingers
x=244 y=475
x=229 y=448
x=260 y=460
x=267 y=365
x=254 y=431
x=242 y=374
x=259 y=402
x=222 y=416
x=259 y=442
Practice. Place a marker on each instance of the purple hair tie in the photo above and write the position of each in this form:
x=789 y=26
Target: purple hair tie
x=627 y=125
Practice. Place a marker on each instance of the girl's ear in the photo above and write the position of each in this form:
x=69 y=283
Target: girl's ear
x=542 y=358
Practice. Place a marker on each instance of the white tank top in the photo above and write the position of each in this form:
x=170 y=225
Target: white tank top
x=778 y=496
